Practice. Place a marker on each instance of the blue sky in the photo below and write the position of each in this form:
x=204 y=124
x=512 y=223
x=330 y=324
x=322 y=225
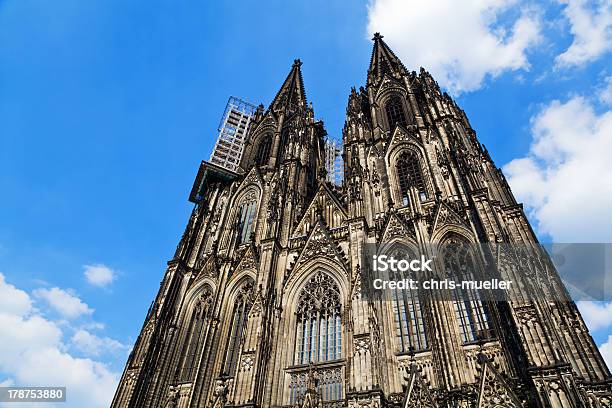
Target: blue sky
x=107 y=107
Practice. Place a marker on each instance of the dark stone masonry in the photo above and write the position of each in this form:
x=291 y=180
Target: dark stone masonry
x=262 y=303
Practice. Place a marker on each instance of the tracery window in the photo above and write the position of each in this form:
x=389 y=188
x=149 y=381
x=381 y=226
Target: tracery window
x=409 y=175
x=319 y=327
x=408 y=313
x=318 y=336
x=395 y=112
x=246 y=216
x=263 y=151
x=242 y=304
x=196 y=334
x=328 y=383
x=470 y=311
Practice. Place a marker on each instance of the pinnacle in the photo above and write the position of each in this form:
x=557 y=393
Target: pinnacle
x=292 y=91
x=383 y=60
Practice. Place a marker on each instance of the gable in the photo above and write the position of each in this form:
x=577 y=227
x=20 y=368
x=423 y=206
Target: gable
x=396 y=228
x=249 y=260
x=253 y=177
x=267 y=124
x=320 y=245
x=402 y=135
x=330 y=208
x=387 y=85
x=493 y=390
x=445 y=215
x=418 y=394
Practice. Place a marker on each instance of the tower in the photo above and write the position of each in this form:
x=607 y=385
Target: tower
x=266 y=303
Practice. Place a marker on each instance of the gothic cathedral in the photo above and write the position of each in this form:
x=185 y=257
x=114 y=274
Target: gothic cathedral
x=263 y=304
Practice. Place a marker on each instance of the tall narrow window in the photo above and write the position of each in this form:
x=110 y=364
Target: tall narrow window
x=263 y=151
x=319 y=327
x=395 y=112
x=471 y=313
x=409 y=175
x=246 y=216
x=237 y=326
x=196 y=334
x=408 y=311
x=318 y=338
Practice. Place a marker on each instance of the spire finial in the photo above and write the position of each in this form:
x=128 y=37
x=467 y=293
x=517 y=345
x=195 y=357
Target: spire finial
x=292 y=90
x=377 y=36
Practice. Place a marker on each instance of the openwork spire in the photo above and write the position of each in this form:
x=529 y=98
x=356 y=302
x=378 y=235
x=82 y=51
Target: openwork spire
x=292 y=91
x=383 y=61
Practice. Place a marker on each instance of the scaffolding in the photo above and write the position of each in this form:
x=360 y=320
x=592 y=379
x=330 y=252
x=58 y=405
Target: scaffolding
x=233 y=129
x=333 y=161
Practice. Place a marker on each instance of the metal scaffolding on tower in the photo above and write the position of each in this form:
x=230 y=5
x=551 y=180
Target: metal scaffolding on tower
x=233 y=129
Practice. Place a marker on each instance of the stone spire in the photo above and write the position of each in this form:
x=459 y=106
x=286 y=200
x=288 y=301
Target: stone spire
x=383 y=61
x=292 y=91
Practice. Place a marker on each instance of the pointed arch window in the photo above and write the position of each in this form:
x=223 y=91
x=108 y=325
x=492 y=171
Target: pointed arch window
x=408 y=312
x=246 y=216
x=409 y=175
x=242 y=304
x=470 y=311
x=196 y=335
x=263 y=151
x=319 y=327
x=395 y=112
x=318 y=337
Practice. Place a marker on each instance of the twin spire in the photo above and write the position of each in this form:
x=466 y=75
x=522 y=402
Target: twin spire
x=292 y=91
x=383 y=61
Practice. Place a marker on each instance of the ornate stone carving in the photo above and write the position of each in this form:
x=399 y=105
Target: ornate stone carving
x=418 y=394
x=317 y=233
x=397 y=229
x=247 y=362
x=494 y=391
x=362 y=345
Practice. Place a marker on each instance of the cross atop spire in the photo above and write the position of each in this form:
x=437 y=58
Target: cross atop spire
x=383 y=61
x=292 y=91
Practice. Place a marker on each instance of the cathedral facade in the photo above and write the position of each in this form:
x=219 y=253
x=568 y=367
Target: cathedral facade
x=264 y=304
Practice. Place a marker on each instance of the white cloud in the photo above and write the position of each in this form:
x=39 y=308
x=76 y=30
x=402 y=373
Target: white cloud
x=591 y=26
x=596 y=315
x=606 y=351
x=88 y=383
x=33 y=354
x=605 y=93
x=94 y=326
x=7 y=383
x=460 y=43
x=565 y=179
x=63 y=302
x=13 y=300
x=99 y=275
x=93 y=345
